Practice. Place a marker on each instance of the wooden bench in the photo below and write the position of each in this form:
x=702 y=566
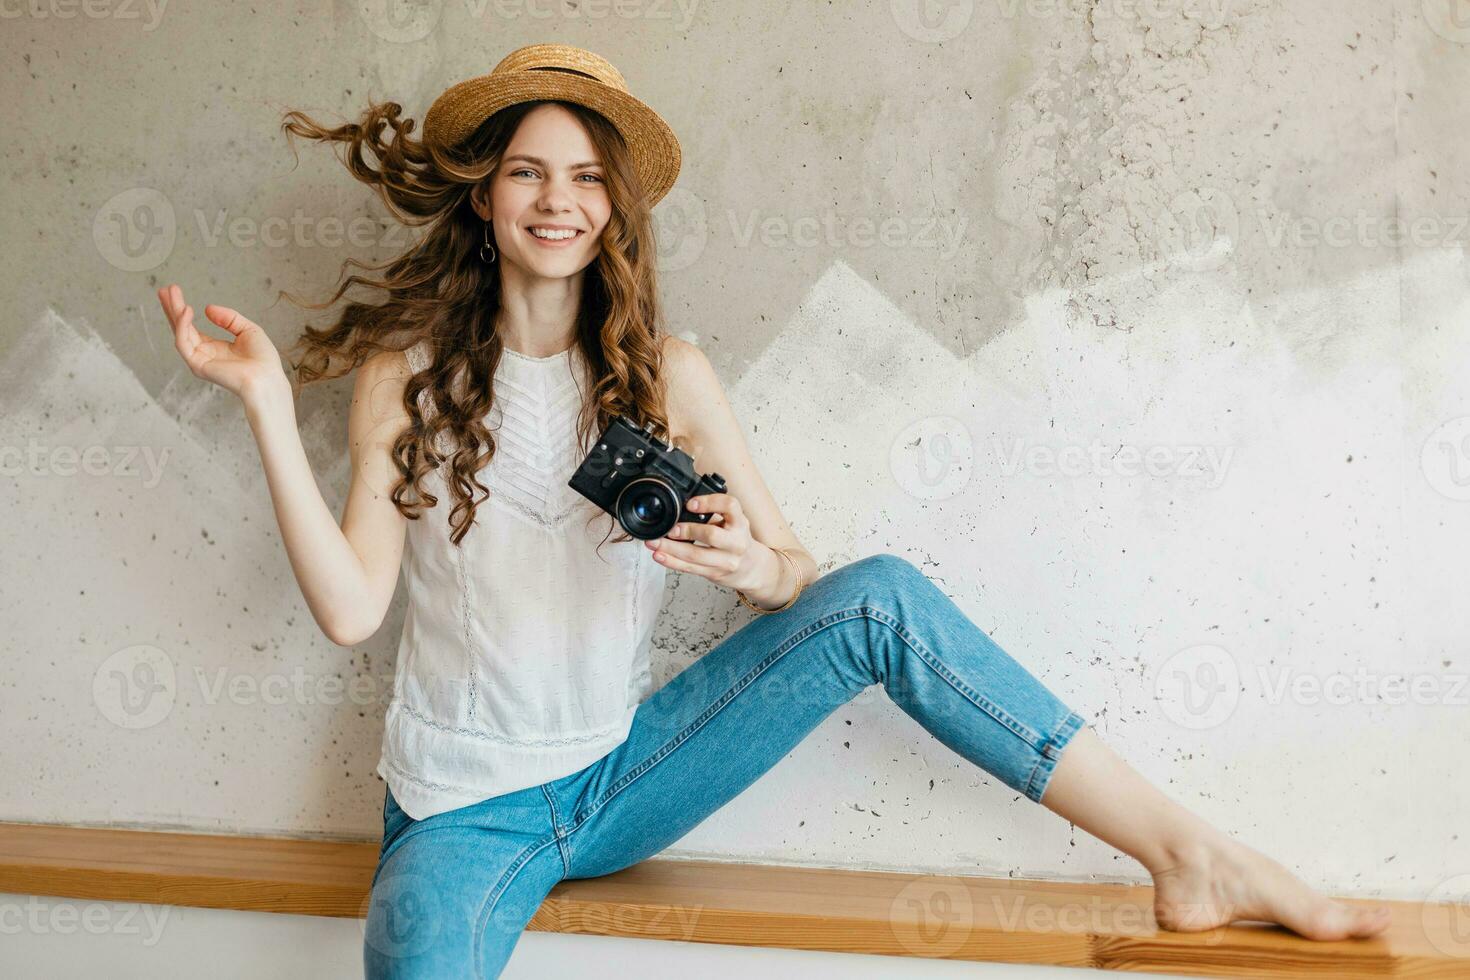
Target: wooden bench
x=968 y=918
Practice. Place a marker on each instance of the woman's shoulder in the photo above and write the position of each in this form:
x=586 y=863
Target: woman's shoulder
x=380 y=379
x=389 y=365
x=692 y=384
x=683 y=359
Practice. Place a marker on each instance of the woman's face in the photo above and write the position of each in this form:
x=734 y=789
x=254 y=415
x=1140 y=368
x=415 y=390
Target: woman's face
x=549 y=179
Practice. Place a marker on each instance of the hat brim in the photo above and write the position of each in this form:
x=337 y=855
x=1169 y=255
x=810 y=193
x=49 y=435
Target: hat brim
x=463 y=107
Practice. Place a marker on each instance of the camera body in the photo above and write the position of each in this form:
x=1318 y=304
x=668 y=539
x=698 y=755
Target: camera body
x=643 y=482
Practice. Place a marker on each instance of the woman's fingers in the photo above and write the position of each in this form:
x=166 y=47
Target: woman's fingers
x=712 y=534
x=232 y=320
x=714 y=555
x=691 y=557
x=235 y=363
x=180 y=314
x=240 y=364
x=181 y=319
x=668 y=560
x=712 y=558
x=726 y=505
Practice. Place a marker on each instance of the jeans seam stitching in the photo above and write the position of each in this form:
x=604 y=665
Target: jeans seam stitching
x=506 y=878
x=786 y=646
x=866 y=611
x=1023 y=732
x=556 y=828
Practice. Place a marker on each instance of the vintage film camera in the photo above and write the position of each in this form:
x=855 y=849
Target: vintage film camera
x=642 y=481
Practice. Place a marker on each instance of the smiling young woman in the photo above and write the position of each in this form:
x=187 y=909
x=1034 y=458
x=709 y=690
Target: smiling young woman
x=525 y=742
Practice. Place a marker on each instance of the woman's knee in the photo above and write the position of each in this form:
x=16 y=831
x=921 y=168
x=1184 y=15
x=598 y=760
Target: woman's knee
x=878 y=579
x=411 y=926
x=447 y=903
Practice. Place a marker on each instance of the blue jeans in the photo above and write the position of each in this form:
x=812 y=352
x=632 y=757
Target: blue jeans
x=453 y=892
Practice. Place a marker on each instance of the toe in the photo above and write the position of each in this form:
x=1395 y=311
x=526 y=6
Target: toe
x=1335 y=920
x=1370 y=922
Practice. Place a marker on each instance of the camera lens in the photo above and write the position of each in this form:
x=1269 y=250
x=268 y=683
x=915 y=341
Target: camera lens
x=648 y=508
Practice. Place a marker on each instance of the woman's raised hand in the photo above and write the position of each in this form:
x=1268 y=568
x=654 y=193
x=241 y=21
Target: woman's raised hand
x=243 y=365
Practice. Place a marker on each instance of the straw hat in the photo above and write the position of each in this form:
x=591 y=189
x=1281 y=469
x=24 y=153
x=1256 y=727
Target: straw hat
x=560 y=71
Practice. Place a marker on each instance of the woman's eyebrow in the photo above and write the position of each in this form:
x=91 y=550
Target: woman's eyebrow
x=542 y=163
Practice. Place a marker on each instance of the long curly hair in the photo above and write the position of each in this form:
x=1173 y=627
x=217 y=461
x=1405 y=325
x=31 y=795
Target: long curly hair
x=441 y=290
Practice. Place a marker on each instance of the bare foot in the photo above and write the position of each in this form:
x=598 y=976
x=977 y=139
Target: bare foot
x=1224 y=880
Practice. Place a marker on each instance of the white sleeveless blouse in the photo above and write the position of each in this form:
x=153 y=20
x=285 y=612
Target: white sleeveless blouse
x=524 y=652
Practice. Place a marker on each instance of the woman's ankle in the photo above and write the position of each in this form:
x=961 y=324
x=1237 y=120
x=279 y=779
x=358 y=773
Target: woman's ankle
x=1196 y=847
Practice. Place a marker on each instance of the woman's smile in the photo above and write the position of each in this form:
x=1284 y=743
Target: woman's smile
x=562 y=235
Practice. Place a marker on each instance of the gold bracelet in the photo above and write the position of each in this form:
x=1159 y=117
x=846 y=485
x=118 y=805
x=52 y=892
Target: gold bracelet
x=795 y=569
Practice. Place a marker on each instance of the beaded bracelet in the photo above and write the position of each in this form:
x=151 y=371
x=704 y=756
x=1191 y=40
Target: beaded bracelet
x=795 y=569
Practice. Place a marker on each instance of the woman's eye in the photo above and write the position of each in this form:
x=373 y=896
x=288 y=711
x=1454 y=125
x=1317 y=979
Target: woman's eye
x=517 y=173
x=594 y=177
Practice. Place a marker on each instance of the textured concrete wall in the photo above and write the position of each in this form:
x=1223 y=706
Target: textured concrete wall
x=1139 y=326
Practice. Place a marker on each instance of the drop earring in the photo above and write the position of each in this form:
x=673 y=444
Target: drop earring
x=491 y=259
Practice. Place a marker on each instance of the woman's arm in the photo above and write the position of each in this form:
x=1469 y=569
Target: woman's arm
x=712 y=435
x=347 y=575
